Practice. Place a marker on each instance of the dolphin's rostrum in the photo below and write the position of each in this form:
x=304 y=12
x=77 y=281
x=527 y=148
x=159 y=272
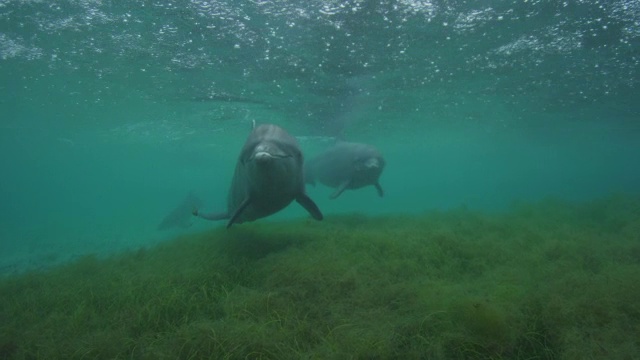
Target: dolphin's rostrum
x=267 y=178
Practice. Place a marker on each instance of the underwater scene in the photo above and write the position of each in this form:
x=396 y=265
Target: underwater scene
x=319 y=179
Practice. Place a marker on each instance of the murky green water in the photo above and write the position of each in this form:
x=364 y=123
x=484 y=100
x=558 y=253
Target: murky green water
x=113 y=112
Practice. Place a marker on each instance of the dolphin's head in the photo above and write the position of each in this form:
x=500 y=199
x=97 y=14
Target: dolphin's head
x=369 y=164
x=372 y=163
x=271 y=165
x=266 y=152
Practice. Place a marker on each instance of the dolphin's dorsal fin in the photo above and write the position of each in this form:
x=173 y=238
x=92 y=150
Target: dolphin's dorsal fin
x=238 y=211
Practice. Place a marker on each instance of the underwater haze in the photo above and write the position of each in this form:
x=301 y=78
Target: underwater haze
x=118 y=116
x=113 y=112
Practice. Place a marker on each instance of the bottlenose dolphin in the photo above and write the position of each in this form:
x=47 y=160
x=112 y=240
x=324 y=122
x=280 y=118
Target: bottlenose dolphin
x=180 y=217
x=346 y=165
x=267 y=178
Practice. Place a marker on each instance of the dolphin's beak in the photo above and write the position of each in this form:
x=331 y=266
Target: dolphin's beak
x=262 y=156
x=372 y=163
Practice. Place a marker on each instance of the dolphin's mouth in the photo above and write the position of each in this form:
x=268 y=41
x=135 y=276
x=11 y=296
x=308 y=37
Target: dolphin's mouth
x=372 y=163
x=266 y=156
x=262 y=156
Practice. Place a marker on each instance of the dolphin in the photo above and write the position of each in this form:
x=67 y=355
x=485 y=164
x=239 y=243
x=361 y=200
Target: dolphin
x=180 y=216
x=346 y=165
x=267 y=178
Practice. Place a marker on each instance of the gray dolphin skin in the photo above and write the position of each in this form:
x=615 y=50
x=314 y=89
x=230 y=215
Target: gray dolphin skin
x=267 y=178
x=346 y=165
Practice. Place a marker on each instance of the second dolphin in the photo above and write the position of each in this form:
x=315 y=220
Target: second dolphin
x=346 y=165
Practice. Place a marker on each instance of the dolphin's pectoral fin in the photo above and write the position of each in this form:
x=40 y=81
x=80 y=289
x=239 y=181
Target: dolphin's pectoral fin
x=379 y=188
x=310 y=206
x=238 y=211
x=341 y=189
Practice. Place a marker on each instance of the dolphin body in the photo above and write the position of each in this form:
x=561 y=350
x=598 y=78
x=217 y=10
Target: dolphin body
x=346 y=165
x=267 y=178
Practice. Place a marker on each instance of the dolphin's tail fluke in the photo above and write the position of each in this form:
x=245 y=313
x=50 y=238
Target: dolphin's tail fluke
x=180 y=217
x=210 y=216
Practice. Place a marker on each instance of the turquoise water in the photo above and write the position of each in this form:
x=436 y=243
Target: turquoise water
x=113 y=111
